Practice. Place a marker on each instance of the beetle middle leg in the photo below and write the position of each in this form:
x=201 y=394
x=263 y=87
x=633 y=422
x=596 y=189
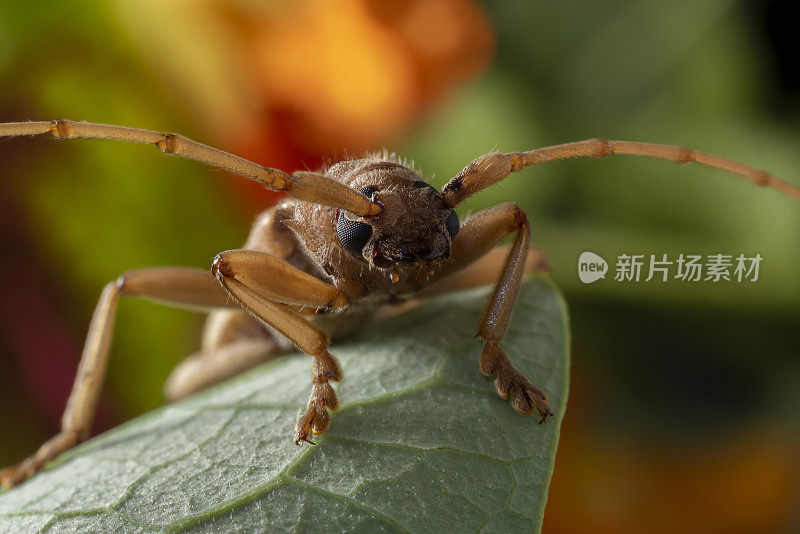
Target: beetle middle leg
x=178 y=286
x=276 y=292
x=476 y=238
x=233 y=342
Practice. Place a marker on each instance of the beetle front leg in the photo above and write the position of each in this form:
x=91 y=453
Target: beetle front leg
x=476 y=238
x=509 y=381
x=268 y=287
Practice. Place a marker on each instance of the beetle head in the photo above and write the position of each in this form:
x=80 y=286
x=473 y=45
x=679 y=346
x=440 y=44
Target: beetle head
x=414 y=227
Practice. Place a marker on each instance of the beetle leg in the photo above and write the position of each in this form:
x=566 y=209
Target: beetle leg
x=477 y=236
x=276 y=279
x=178 y=286
x=267 y=289
x=525 y=397
x=206 y=368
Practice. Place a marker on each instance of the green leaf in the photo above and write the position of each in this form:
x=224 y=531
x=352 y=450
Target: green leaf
x=421 y=442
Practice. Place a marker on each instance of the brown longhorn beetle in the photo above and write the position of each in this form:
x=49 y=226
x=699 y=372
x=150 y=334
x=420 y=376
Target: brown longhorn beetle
x=361 y=233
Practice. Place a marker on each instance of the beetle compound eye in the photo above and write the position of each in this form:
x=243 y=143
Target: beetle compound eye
x=367 y=191
x=419 y=184
x=353 y=235
x=452 y=224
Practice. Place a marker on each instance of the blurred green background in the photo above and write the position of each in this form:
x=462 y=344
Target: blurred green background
x=686 y=398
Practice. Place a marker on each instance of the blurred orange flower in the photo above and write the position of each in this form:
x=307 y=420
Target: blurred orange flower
x=290 y=84
x=355 y=72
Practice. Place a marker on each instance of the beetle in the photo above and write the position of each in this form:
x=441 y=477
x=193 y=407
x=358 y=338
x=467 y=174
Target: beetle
x=358 y=234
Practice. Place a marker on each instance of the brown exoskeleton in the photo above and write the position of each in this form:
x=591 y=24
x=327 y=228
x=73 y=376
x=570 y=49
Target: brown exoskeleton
x=357 y=235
